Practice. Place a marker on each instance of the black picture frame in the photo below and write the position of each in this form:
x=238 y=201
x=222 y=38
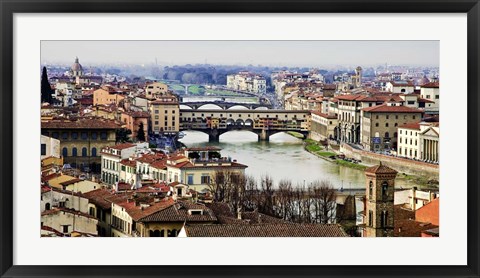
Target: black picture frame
x=9 y=7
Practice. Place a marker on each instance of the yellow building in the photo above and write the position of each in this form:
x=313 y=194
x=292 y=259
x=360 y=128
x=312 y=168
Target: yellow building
x=81 y=140
x=165 y=115
x=104 y=97
x=155 y=90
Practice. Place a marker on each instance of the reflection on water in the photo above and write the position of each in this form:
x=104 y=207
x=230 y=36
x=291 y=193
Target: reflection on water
x=283 y=157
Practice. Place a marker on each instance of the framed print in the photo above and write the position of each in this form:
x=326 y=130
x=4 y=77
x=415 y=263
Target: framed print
x=254 y=138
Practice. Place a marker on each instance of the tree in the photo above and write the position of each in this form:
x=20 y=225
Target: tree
x=123 y=135
x=141 y=133
x=325 y=202
x=46 y=89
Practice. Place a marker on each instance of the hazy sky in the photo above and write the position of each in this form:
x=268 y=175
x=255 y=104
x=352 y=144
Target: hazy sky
x=268 y=53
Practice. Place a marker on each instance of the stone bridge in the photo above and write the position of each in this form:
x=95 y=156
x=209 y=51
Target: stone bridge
x=225 y=105
x=264 y=123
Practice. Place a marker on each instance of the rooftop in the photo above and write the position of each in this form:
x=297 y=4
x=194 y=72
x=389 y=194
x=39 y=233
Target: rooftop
x=391 y=109
x=380 y=169
x=265 y=230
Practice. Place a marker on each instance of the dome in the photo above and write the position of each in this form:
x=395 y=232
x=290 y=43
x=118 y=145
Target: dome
x=76 y=66
x=359 y=68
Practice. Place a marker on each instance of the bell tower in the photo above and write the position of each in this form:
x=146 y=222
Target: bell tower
x=379 y=205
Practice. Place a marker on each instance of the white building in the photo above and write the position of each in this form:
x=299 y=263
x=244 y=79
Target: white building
x=431 y=91
x=419 y=141
x=112 y=156
x=49 y=147
x=400 y=87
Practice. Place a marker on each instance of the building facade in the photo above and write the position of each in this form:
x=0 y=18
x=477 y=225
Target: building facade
x=165 y=115
x=380 y=124
x=81 y=140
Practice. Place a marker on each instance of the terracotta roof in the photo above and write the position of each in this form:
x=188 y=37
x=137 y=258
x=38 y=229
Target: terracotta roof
x=99 y=197
x=122 y=146
x=431 y=85
x=425 y=100
x=72 y=181
x=128 y=162
x=50 y=229
x=90 y=123
x=411 y=228
x=380 y=169
x=265 y=230
x=415 y=126
x=179 y=212
x=327 y=116
x=138 y=212
x=391 y=109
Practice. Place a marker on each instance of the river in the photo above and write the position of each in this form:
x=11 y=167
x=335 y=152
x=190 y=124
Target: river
x=283 y=157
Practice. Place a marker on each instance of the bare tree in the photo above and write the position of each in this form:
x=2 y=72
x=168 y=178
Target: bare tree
x=324 y=202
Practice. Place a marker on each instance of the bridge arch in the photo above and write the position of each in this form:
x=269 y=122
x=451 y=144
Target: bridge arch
x=186 y=106
x=230 y=122
x=238 y=107
x=240 y=122
x=210 y=106
x=249 y=122
x=261 y=108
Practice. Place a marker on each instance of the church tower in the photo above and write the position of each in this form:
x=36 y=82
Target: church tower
x=380 y=183
x=358 y=79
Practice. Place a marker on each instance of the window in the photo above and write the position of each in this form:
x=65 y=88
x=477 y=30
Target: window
x=437 y=97
x=383 y=219
x=156 y=111
x=384 y=190
x=74 y=152
x=91 y=211
x=166 y=111
x=65 y=228
x=84 y=151
x=396 y=117
x=47 y=206
x=103 y=135
x=94 y=152
x=205 y=179
x=396 y=124
x=376 y=124
x=156 y=122
x=65 y=135
x=74 y=135
x=387 y=135
x=64 y=152
x=395 y=135
x=84 y=135
x=413 y=117
x=43 y=149
x=94 y=135
x=387 y=117
x=376 y=117
x=55 y=135
x=370 y=190
x=410 y=102
x=370 y=218
x=386 y=124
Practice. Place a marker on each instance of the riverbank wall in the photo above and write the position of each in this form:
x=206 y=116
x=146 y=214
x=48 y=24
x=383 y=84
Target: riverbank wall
x=402 y=165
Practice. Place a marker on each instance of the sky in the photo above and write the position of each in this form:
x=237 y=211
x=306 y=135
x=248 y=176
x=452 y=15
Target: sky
x=266 y=53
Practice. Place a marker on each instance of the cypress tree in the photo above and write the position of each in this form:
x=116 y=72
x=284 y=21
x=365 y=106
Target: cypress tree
x=46 y=89
x=141 y=133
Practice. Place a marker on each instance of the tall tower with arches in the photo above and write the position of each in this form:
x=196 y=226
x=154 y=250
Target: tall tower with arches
x=379 y=201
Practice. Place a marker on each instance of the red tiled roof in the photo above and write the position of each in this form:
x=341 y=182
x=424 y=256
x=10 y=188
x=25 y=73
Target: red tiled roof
x=179 y=212
x=139 y=212
x=411 y=228
x=50 y=229
x=411 y=126
x=122 y=146
x=265 y=230
x=72 y=181
x=99 y=197
x=380 y=169
x=327 y=116
x=90 y=123
x=425 y=100
x=431 y=85
x=391 y=109
x=128 y=162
